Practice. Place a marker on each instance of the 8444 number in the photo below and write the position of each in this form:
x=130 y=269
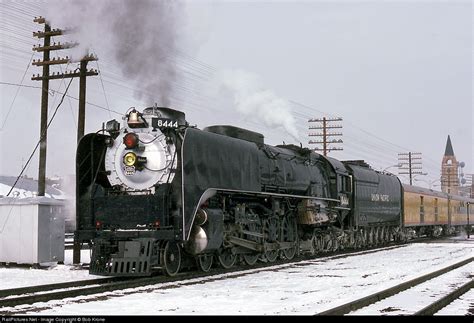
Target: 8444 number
x=164 y=123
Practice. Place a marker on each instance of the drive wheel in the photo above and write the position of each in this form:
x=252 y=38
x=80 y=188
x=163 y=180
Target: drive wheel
x=171 y=258
x=335 y=243
x=271 y=255
x=251 y=258
x=227 y=258
x=288 y=234
x=327 y=243
x=271 y=229
x=205 y=261
x=317 y=242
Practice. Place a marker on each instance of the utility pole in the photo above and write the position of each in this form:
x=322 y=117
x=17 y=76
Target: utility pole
x=44 y=103
x=82 y=100
x=45 y=77
x=467 y=185
x=325 y=125
x=82 y=74
x=410 y=164
x=468 y=228
x=472 y=186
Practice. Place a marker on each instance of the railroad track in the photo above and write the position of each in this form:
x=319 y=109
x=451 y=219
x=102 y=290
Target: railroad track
x=11 y=298
x=446 y=300
x=45 y=293
x=386 y=293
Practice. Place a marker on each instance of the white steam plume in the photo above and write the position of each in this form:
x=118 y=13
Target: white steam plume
x=140 y=35
x=252 y=99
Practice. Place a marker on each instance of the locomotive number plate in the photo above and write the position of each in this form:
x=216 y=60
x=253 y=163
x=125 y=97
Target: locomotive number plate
x=164 y=123
x=129 y=170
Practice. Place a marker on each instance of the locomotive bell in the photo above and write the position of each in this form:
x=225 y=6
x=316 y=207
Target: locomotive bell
x=133 y=117
x=134 y=121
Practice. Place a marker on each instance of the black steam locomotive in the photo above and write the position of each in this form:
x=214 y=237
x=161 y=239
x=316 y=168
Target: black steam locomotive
x=157 y=193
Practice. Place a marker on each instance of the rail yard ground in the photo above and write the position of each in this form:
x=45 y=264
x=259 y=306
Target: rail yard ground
x=304 y=288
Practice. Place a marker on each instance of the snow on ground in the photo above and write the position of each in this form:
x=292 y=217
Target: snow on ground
x=418 y=297
x=462 y=306
x=303 y=288
x=15 y=276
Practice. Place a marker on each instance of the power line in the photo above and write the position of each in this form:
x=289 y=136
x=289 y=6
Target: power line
x=204 y=69
x=41 y=138
x=69 y=99
x=69 y=96
x=103 y=88
x=17 y=91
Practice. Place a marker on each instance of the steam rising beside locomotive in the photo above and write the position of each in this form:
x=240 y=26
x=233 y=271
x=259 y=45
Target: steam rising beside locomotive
x=158 y=193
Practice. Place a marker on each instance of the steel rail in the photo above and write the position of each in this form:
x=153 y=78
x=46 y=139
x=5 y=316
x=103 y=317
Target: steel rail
x=45 y=293
x=48 y=287
x=445 y=300
x=373 y=298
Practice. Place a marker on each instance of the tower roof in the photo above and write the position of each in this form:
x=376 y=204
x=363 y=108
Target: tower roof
x=449 y=148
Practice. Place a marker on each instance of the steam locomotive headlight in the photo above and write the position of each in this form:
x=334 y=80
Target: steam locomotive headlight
x=130 y=140
x=112 y=126
x=129 y=159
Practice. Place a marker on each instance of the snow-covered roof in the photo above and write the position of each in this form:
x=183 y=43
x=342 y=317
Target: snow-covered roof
x=41 y=200
x=26 y=187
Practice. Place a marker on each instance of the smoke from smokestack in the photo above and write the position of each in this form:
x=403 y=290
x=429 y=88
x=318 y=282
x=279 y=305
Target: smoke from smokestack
x=252 y=99
x=141 y=35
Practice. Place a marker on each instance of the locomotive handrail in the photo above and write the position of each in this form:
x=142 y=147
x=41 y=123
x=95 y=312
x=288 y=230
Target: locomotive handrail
x=276 y=194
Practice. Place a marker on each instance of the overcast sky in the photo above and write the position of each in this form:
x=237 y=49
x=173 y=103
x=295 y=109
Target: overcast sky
x=399 y=73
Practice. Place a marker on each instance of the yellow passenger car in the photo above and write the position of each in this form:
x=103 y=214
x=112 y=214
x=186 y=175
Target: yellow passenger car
x=429 y=210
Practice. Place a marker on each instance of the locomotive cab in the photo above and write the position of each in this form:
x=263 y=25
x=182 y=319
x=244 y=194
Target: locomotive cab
x=341 y=187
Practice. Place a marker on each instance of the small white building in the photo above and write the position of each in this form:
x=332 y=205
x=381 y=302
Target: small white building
x=31 y=230
x=28 y=187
